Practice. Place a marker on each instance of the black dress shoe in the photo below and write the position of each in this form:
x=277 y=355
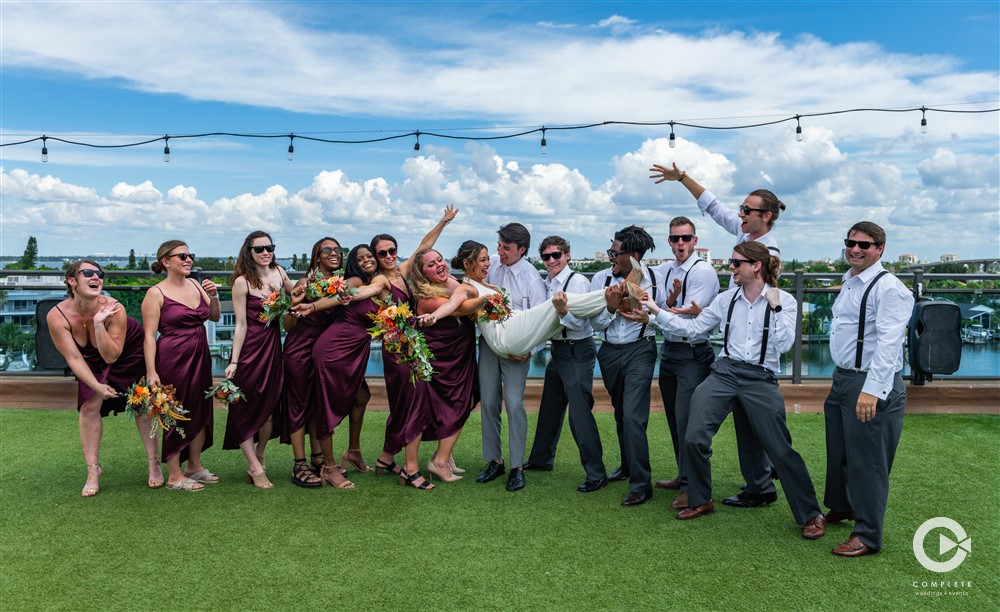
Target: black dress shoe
x=589 y=486
x=621 y=473
x=529 y=466
x=515 y=480
x=750 y=500
x=491 y=471
x=637 y=498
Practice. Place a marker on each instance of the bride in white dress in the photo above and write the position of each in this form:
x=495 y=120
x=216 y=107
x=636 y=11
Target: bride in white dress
x=524 y=329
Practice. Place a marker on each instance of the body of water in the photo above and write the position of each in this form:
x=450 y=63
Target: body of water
x=977 y=360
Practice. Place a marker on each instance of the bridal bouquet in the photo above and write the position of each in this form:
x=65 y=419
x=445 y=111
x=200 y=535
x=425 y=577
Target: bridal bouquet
x=496 y=308
x=158 y=402
x=318 y=286
x=273 y=306
x=396 y=326
x=226 y=392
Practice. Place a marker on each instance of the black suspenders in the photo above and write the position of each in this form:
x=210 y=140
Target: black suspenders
x=652 y=280
x=861 y=319
x=565 y=287
x=763 y=340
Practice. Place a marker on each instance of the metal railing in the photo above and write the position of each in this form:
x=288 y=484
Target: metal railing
x=916 y=280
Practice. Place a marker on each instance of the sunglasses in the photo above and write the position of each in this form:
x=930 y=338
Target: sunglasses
x=746 y=210
x=88 y=273
x=390 y=252
x=675 y=238
x=612 y=254
x=260 y=249
x=552 y=255
x=861 y=244
x=183 y=256
x=736 y=263
x=328 y=250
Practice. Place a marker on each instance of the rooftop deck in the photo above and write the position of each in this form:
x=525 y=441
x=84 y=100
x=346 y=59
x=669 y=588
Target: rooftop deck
x=937 y=397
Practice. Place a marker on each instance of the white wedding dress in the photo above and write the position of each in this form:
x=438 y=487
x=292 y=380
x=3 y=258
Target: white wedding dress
x=526 y=329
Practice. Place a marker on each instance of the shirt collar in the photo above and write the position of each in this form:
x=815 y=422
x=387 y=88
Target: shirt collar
x=871 y=272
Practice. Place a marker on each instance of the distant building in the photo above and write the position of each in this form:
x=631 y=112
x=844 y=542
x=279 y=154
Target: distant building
x=949 y=257
x=703 y=254
x=600 y=256
x=908 y=258
x=19 y=305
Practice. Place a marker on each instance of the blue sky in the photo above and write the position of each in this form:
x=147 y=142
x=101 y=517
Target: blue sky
x=112 y=73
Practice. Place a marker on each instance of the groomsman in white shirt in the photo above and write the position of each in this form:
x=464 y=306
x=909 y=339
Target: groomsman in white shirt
x=753 y=220
x=569 y=376
x=685 y=361
x=502 y=377
x=864 y=410
x=628 y=357
x=758 y=324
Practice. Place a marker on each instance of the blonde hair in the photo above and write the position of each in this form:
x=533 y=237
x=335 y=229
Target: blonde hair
x=423 y=288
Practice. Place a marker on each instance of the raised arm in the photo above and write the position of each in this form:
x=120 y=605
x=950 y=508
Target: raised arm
x=450 y=212
x=662 y=173
x=109 y=331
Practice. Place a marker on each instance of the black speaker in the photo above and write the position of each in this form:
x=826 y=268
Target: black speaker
x=49 y=358
x=935 y=338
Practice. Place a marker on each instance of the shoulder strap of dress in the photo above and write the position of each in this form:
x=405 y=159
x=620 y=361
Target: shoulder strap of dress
x=63 y=314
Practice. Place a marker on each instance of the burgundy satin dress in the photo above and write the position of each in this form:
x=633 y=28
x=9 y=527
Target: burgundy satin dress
x=183 y=360
x=397 y=384
x=299 y=388
x=454 y=388
x=120 y=375
x=259 y=374
x=340 y=356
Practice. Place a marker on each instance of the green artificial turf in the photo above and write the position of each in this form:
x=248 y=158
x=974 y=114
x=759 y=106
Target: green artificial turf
x=466 y=546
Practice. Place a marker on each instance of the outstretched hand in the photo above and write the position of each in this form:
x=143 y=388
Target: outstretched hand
x=450 y=212
x=662 y=173
x=694 y=310
x=103 y=314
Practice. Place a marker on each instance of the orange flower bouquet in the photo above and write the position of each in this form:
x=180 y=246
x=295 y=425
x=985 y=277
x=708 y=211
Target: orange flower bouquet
x=496 y=308
x=226 y=392
x=395 y=326
x=319 y=286
x=273 y=306
x=158 y=402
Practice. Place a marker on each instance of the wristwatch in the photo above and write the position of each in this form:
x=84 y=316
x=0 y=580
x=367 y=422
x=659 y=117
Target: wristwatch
x=776 y=308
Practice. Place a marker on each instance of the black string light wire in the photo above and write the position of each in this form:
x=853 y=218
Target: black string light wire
x=517 y=134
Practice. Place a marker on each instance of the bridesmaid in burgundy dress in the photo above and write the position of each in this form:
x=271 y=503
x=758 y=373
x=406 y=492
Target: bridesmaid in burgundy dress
x=454 y=390
x=255 y=365
x=392 y=275
x=299 y=393
x=107 y=361
x=178 y=307
x=340 y=356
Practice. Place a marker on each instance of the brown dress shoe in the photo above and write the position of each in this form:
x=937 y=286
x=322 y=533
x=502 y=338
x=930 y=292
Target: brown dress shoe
x=669 y=484
x=852 y=548
x=835 y=516
x=815 y=528
x=691 y=513
x=681 y=502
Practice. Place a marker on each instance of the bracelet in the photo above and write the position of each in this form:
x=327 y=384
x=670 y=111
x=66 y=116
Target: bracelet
x=214 y=298
x=680 y=179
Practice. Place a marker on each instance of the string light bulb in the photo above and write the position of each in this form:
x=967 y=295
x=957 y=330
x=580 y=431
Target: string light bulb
x=673 y=139
x=166 y=149
x=798 y=129
x=923 y=119
x=545 y=144
x=291 y=147
x=45 y=150
x=416 y=145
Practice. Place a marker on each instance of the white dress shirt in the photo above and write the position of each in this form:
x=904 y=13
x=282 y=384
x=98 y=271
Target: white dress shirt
x=522 y=280
x=701 y=287
x=616 y=328
x=746 y=329
x=887 y=314
x=576 y=328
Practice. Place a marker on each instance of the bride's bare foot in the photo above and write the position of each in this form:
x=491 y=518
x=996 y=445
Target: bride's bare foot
x=633 y=286
x=155 y=473
x=92 y=486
